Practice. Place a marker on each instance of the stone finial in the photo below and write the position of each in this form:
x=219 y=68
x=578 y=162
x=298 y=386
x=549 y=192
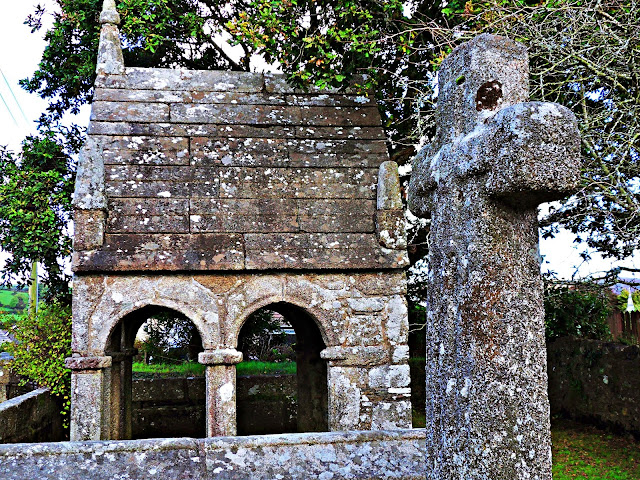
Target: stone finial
x=109 y=13
x=493 y=160
x=110 y=59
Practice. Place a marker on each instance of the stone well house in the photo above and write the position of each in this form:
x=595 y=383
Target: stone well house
x=215 y=194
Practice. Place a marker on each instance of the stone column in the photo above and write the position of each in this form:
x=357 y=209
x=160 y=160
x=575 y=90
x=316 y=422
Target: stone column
x=494 y=158
x=90 y=398
x=221 y=390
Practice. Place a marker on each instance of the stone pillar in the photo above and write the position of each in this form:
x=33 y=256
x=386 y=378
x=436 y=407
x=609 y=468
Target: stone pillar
x=494 y=158
x=367 y=392
x=221 y=390
x=90 y=398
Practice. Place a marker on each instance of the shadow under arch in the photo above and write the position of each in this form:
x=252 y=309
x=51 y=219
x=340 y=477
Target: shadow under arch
x=312 y=385
x=125 y=424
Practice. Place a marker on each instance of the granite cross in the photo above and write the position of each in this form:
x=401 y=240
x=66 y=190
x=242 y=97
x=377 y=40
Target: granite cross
x=493 y=160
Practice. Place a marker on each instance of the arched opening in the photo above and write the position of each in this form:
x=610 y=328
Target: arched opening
x=157 y=388
x=281 y=403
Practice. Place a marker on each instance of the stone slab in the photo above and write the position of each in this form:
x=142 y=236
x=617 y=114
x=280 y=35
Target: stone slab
x=336 y=456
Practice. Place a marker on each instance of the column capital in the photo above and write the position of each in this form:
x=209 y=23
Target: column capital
x=88 y=363
x=223 y=356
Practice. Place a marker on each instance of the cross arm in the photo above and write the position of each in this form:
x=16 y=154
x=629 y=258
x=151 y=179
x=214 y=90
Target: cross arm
x=534 y=154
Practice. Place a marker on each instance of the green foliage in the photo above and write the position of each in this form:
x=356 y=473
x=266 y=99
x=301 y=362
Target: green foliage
x=579 y=310
x=43 y=344
x=35 y=205
x=171 y=336
x=261 y=338
x=623 y=300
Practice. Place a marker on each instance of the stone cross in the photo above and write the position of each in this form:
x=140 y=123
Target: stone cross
x=493 y=160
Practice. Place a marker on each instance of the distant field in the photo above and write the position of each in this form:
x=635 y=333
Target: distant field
x=13 y=302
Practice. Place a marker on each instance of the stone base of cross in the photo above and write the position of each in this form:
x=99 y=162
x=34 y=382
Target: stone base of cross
x=493 y=161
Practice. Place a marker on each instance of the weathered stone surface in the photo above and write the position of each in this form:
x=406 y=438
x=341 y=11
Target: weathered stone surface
x=130 y=252
x=181 y=130
x=232 y=152
x=88 y=229
x=487 y=407
x=144 y=150
x=88 y=363
x=129 y=112
x=365 y=455
x=32 y=417
x=227 y=356
x=89 y=188
x=110 y=56
x=389 y=197
x=361 y=133
x=238 y=182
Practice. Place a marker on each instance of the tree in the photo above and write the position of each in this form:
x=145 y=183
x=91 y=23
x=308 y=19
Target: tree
x=583 y=54
x=35 y=204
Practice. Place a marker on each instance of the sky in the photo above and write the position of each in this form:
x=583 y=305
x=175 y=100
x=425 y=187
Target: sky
x=19 y=110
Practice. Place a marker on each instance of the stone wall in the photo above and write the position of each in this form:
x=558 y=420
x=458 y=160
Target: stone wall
x=595 y=381
x=175 y=407
x=364 y=455
x=32 y=417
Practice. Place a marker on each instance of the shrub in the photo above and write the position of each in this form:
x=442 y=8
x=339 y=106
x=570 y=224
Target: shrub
x=578 y=310
x=43 y=342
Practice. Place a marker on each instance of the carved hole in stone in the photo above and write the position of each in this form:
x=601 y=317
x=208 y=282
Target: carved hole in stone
x=282 y=403
x=156 y=405
x=489 y=96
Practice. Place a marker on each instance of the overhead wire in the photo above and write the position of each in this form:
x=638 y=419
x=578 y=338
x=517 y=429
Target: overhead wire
x=14 y=96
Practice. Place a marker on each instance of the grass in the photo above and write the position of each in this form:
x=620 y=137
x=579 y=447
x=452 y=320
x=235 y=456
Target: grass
x=194 y=369
x=581 y=451
x=13 y=302
x=261 y=368
x=187 y=369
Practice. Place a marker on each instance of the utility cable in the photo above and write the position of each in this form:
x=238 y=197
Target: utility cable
x=14 y=96
x=8 y=109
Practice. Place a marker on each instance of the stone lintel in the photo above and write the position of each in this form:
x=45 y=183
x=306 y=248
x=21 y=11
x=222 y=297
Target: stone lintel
x=88 y=363
x=224 y=356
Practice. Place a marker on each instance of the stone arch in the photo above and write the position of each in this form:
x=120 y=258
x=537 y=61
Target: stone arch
x=256 y=293
x=123 y=296
x=312 y=378
x=238 y=322
x=151 y=303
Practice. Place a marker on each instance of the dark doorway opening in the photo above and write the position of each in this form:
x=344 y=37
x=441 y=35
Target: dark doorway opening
x=157 y=386
x=281 y=400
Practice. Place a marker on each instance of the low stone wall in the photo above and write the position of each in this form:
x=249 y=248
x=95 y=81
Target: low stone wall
x=595 y=381
x=325 y=456
x=32 y=417
x=175 y=407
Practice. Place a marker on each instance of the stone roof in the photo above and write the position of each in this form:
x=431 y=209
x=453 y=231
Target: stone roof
x=211 y=170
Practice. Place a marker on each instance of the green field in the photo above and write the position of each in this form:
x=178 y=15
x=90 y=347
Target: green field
x=12 y=301
x=194 y=369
